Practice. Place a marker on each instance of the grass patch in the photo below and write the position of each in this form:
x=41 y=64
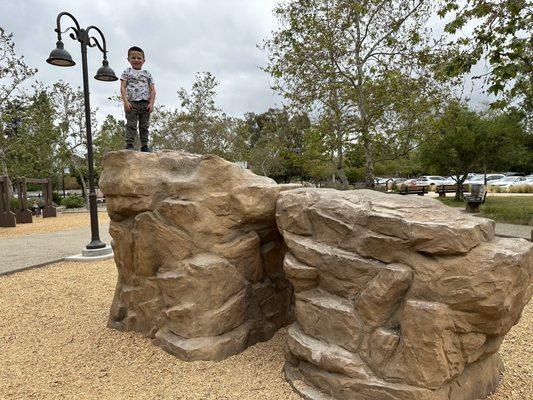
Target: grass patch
x=511 y=210
x=452 y=201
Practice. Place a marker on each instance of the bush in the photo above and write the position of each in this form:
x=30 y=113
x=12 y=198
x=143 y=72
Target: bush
x=73 y=202
x=14 y=203
x=56 y=198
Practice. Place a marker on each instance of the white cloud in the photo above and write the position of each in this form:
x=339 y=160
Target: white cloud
x=180 y=38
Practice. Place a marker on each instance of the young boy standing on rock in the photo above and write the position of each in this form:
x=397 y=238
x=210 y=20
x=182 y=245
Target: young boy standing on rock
x=138 y=95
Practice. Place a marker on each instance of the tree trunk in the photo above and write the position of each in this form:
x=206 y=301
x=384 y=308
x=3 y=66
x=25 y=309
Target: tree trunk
x=342 y=176
x=5 y=172
x=83 y=187
x=4 y=164
x=459 y=191
x=63 y=182
x=369 y=163
x=340 y=169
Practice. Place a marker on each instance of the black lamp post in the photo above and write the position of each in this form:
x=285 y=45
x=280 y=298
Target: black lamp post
x=60 y=57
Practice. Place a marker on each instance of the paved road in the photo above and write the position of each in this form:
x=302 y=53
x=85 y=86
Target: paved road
x=42 y=248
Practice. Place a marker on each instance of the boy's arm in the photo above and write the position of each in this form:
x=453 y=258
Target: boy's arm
x=152 y=98
x=127 y=105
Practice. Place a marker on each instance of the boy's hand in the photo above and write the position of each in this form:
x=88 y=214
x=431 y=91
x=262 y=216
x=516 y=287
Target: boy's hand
x=127 y=106
x=150 y=107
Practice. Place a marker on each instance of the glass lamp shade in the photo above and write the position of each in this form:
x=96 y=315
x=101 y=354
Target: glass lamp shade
x=105 y=73
x=60 y=57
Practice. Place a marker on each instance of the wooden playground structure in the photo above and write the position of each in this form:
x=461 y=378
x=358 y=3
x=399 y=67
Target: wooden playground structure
x=23 y=215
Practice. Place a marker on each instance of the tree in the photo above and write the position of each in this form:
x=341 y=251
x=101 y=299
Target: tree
x=32 y=150
x=199 y=126
x=499 y=31
x=109 y=137
x=318 y=162
x=70 y=117
x=13 y=72
x=468 y=141
x=507 y=146
x=272 y=143
x=348 y=62
x=456 y=149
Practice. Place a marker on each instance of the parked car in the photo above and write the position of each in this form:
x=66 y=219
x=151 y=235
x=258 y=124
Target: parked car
x=514 y=174
x=430 y=180
x=528 y=181
x=380 y=181
x=399 y=180
x=481 y=178
x=507 y=182
x=407 y=182
x=452 y=180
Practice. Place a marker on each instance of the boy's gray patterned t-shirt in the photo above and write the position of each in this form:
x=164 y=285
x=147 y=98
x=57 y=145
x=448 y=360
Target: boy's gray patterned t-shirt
x=138 y=83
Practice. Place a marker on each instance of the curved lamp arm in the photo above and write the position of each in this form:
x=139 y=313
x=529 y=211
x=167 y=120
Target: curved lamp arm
x=76 y=30
x=96 y=42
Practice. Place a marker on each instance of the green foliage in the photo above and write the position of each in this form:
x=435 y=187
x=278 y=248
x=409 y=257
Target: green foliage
x=73 y=201
x=498 y=32
x=361 y=67
x=455 y=149
x=199 y=126
x=109 y=137
x=70 y=119
x=272 y=143
x=32 y=153
x=13 y=73
x=14 y=203
x=467 y=141
x=507 y=146
x=56 y=198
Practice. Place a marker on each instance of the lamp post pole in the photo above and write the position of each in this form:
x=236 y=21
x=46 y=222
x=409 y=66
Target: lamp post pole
x=62 y=58
x=96 y=243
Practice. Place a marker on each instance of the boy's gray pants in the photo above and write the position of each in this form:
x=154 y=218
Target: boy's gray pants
x=138 y=114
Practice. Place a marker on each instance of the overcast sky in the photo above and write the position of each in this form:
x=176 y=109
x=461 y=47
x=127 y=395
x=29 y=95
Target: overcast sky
x=179 y=37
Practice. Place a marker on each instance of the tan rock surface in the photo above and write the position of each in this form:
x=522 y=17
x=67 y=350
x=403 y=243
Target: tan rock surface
x=397 y=298
x=199 y=256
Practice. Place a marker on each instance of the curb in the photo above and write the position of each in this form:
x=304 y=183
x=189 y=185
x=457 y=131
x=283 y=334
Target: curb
x=44 y=264
x=514 y=237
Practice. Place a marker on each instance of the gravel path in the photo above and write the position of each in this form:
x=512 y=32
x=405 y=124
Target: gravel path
x=54 y=344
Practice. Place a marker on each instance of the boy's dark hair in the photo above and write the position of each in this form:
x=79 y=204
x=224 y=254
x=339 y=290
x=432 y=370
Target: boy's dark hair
x=135 y=48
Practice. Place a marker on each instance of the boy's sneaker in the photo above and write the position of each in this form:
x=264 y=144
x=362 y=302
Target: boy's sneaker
x=145 y=149
x=129 y=146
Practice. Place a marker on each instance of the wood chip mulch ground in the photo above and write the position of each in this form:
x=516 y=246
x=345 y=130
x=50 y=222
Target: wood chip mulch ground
x=63 y=222
x=54 y=344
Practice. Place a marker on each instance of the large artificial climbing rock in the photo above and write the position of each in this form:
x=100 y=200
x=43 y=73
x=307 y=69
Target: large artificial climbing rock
x=397 y=298
x=199 y=256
